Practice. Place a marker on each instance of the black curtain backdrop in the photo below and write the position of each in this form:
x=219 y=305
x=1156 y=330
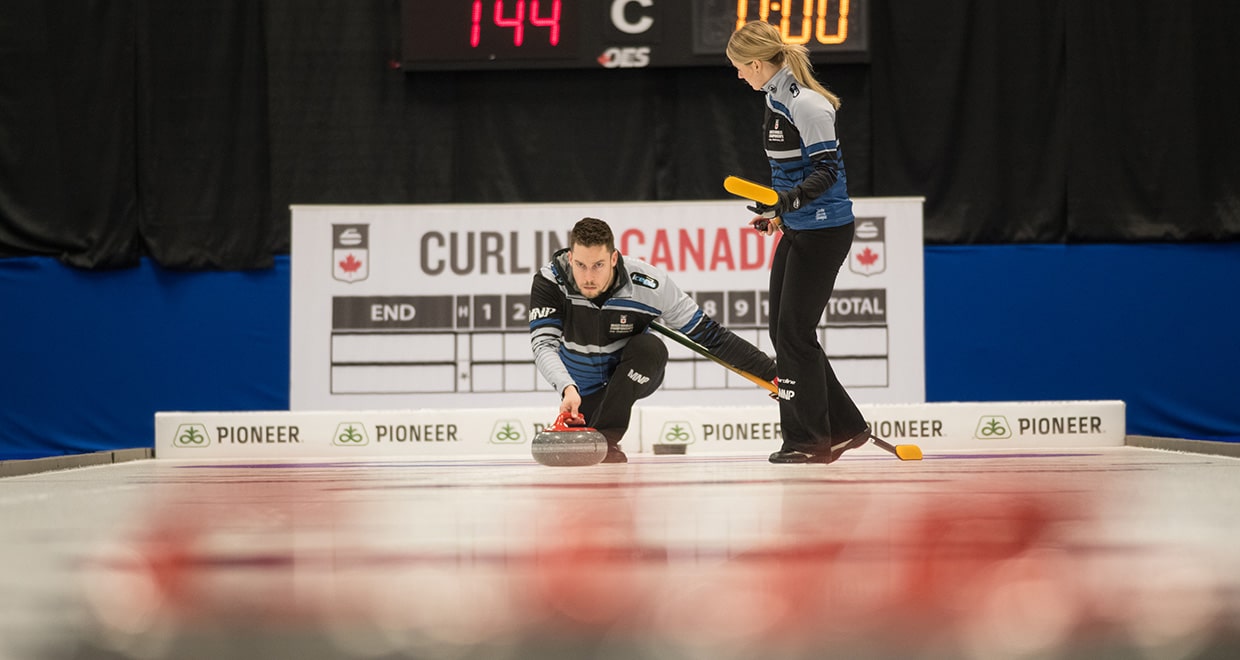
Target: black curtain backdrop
x=68 y=183
x=203 y=149
x=182 y=131
x=970 y=113
x=1155 y=100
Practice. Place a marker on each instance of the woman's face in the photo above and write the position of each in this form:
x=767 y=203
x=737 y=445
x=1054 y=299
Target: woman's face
x=753 y=73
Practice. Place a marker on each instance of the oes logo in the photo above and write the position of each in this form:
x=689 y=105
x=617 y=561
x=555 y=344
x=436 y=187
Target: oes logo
x=625 y=58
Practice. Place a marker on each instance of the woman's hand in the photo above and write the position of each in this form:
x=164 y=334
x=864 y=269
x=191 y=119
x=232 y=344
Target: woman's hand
x=764 y=225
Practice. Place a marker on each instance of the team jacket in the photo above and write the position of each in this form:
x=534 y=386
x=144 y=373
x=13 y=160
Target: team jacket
x=803 y=151
x=578 y=341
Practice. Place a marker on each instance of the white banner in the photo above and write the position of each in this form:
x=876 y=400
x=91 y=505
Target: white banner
x=931 y=426
x=494 y=432
x=398 y=307
x=508 y=432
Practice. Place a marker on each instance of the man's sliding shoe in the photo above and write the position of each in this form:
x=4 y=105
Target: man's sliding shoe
x=614 y=455
x=825 y=455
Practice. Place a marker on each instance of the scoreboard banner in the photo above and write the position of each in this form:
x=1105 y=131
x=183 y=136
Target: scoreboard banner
x=426 y=306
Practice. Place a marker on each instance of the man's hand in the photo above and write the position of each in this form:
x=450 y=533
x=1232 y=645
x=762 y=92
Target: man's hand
x=570 y=402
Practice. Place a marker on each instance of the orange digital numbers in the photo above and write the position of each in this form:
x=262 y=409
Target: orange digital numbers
x=800 y=21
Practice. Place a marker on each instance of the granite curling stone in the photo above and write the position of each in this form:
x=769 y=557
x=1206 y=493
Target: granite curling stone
x=565 y=445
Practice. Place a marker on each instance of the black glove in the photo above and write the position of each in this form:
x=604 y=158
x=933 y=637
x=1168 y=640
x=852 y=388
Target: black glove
x=789 y=200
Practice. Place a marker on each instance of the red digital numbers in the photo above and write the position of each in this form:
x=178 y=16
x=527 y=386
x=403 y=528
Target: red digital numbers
x=516 y=21
x=552 y=21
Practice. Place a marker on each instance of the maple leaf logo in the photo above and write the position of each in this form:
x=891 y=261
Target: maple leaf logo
x=867 y=257
x=350 y=256
x=350 y=265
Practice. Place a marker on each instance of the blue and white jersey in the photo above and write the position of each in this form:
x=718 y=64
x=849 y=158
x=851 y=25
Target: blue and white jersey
x=578 y=340
x=802 y=148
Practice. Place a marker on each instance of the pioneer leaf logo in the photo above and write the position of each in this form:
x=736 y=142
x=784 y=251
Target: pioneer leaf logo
x=868 y=255
x=350 y=252
x=677 y=433
x=993 y=427
x=507 y=432
x=191 y=436
x=351 y=434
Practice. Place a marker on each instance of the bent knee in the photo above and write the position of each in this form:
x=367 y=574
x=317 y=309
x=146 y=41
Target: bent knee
x=649 y=346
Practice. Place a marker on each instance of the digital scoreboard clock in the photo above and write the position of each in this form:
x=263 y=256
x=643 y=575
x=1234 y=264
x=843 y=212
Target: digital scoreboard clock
x=551 y=34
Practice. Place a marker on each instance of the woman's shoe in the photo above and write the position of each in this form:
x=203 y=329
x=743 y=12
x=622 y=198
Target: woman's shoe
x=828 y=455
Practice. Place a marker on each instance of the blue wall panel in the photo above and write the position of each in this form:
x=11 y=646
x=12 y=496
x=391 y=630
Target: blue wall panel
x=1152 y=324
x=89 y=357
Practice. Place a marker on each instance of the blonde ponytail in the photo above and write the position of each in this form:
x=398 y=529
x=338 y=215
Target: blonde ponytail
x=761 y=41
x=796 y=57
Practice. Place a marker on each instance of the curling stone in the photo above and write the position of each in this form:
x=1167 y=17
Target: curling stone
x=567 y=445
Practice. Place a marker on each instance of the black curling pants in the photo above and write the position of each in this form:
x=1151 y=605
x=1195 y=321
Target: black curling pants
x=814 y=409
x=638 y=375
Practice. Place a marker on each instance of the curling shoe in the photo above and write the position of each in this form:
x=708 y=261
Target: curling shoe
x=615 y=455
x=829 y=456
